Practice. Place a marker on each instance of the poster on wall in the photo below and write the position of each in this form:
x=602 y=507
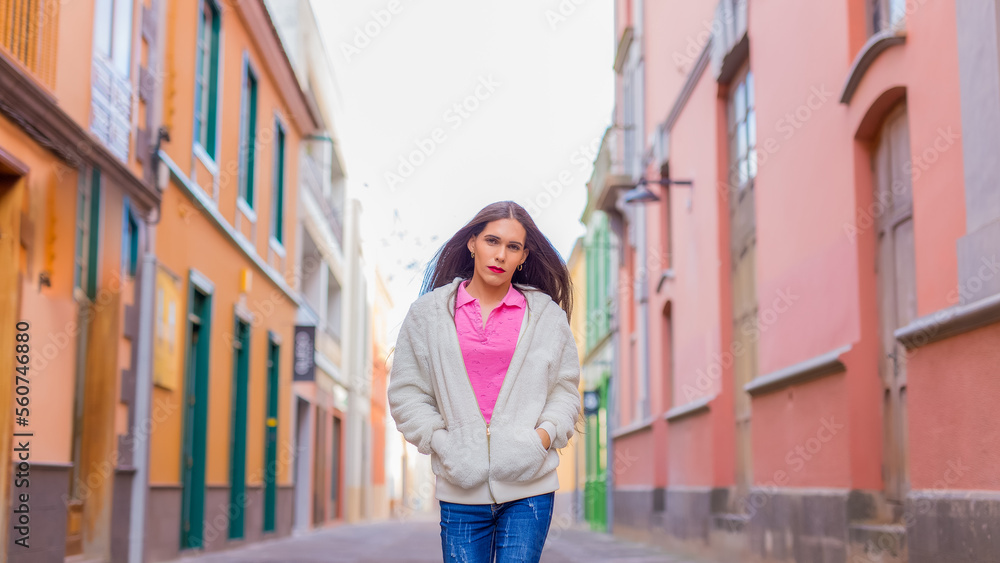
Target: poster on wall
x=166 y=340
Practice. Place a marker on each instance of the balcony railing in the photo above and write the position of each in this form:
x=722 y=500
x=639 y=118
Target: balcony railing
x=28 y=34
x=313 y=179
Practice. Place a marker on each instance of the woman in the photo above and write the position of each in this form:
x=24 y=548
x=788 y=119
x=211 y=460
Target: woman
x=485 y=380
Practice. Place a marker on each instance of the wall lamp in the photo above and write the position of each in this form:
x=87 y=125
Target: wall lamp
x=640 y=194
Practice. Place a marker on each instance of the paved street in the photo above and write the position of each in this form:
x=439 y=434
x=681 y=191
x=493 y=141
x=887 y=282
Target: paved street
x=418 y=541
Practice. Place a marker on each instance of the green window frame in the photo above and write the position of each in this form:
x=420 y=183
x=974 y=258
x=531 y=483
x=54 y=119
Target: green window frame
x=130 y=240
x=88 y=228
x=206 y=78
x=278 y=203
x=248 y=133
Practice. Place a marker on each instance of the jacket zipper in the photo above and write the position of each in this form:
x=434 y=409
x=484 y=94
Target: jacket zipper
x=488 y=454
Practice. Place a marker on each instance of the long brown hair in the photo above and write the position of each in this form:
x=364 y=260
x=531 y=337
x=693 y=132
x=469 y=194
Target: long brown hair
x=544 y=268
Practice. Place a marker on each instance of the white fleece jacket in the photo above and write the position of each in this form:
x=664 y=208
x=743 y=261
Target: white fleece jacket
x=432 y=401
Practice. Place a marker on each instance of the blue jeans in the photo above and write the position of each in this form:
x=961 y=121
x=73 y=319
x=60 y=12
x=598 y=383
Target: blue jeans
x=508 y=532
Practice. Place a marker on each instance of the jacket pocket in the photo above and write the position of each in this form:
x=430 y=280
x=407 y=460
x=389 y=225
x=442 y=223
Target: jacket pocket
x=517 y=454
x=458 y=457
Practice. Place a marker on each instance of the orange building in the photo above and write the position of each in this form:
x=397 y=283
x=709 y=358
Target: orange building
x=220 y=469
x=77 y=131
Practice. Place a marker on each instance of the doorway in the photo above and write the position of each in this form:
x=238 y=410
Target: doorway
x=302 y=466
x=897 y=294
x=195 y=415
x=271 y=435
x=238 y=447
x=319 y=468
x=11 y=195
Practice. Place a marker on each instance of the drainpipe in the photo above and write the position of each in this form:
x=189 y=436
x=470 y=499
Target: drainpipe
x=143 y=399
x=144 y=368
x=617 y=227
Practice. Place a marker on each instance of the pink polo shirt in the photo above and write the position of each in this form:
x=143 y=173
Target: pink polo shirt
x=487 y=353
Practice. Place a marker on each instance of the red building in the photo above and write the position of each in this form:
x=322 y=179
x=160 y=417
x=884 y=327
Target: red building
x=808 y=311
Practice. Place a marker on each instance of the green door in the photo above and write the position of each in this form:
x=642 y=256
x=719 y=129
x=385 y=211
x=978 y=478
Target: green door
x=238 y=431
x=271 y=437
x=195 y=419
x=596 y=486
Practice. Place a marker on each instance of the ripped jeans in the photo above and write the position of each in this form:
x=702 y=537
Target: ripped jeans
x=507 y=532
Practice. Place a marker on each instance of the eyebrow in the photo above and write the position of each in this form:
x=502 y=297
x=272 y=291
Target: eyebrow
x=496 y=237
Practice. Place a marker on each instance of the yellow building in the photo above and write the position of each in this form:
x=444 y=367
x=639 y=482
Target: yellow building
x=571 y=478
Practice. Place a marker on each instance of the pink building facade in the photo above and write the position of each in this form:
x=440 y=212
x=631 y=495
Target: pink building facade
x=808 y=314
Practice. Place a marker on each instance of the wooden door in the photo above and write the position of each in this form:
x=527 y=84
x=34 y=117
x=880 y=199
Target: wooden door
x=11 y=193
x=743 y=248
x=896 y=290
x=335 y=469
x=741 y=121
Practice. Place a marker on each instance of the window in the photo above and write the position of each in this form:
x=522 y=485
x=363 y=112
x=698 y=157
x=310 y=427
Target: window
x=113 y=33
x=885 y=14
x=633 y=92
x=111 y=89
x=742 y=131
x=278 y=203
x=206 y=77
x=248 y=134
x=88 y=212
x=130 y=241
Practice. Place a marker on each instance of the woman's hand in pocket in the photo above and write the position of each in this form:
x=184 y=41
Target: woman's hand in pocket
x=544 y=436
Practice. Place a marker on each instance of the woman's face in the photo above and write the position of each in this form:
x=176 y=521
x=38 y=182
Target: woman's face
x=499 y=250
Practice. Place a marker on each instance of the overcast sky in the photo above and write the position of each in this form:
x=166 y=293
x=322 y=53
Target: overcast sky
x=454 y=105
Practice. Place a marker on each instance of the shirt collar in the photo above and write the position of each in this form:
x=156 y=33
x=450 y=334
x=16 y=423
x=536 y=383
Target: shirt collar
x=512 y=299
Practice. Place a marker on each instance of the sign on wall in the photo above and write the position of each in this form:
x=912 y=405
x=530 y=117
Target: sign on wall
x=591 y=402
x=304 y=350
x=166 y=341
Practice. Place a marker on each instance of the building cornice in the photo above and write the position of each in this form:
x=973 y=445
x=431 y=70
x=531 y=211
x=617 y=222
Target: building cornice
x=825 y=364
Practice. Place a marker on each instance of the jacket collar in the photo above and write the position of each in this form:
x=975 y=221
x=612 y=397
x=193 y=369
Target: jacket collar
x=537 y=302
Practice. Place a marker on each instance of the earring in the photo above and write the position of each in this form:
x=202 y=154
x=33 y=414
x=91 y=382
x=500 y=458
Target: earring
x=520 y=266
x=473 y=254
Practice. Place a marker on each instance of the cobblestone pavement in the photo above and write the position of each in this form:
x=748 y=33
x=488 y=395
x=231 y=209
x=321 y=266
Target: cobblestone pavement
x=418 y=540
